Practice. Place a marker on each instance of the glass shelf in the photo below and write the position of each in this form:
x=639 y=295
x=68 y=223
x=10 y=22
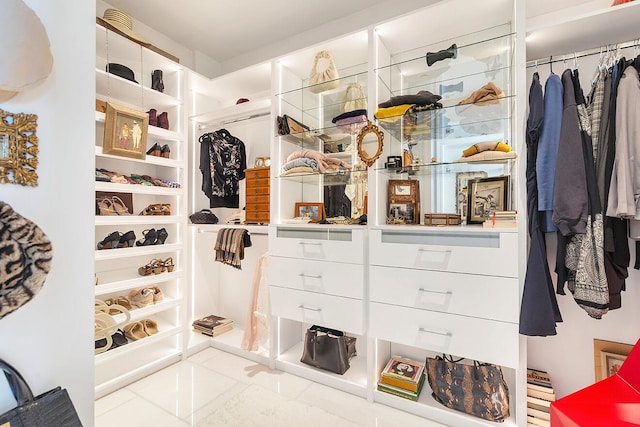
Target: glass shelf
x=451 y=122
x=329 y=134
x=429 y=169
x=327 y=179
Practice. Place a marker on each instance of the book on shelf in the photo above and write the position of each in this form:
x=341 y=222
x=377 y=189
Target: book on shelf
x=212 y=325
x=533 y=421
x=541 y=415
x=545 y=394
x=400 y=392
x=500 y=224
x=403 y=373
x=535 y=402
x=537 y=377
x=215 y=332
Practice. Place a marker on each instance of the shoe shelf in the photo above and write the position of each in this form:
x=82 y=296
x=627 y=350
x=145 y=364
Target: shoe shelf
x=137 y=219
x=122 y=91
x=138 y=189
x=165 y=330
x=115 y=372
x=148 y=311
x=149 y=160
x=120 y=281
x=150 y=250
x=154 y=132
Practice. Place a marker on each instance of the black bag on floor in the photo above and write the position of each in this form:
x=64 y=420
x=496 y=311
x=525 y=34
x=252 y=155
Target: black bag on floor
x=328 y=349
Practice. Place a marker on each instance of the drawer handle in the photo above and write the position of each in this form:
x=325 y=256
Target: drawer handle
x=311 y=276
x=445 y=251
x=309 y=243
x=304 y=307
x=435 y=292
x=444 y=334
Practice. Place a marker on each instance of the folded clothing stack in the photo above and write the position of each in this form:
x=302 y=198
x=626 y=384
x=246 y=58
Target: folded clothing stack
x=311 y=161
x=351 y=121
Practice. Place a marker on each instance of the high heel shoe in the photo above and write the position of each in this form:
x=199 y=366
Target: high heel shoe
x=119 y=206
x=150 y=238
x=127 y=239
x=165 y=151
x=161 y=236
x=104 y=206
x=155 y=266
x=155 y=150
x=168 y=264
x=110 y=242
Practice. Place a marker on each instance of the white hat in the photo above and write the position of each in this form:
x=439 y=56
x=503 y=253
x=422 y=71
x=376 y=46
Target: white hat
x=122 y=22
x=26 y=56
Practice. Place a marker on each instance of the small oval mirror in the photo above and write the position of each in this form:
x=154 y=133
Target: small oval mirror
x=370 y=140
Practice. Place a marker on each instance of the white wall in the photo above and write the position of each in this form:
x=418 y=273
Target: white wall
x=49 y=340
x=568 y=356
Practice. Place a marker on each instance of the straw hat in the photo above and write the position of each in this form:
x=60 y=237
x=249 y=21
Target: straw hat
x=122 y=22
x=26 y=55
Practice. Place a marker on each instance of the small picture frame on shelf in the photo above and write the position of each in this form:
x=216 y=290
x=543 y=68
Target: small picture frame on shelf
x=608 y=356
x=485 y=196
x=125 y=132
x=403 y=201
x=462 y=190
x=312 y=211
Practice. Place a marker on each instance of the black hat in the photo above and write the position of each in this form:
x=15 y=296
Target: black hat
x=121 y=71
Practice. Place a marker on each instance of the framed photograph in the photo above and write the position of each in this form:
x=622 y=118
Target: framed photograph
x=313 y=211
x=608 y=356
x=125 y=132
x=403 y=201
x=402 y=213
x=486 y=195
x=462 y=179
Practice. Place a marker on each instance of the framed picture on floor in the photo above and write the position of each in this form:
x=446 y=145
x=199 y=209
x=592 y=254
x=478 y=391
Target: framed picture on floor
x=608 y=356
x=125 y=132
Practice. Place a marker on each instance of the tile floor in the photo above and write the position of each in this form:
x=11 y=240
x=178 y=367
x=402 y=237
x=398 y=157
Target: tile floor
x=214 y=388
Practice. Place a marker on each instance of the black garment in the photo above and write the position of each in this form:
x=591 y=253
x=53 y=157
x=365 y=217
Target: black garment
x=222 y=163
x=346 y=115
x=424 y=97
x=539 y=309
x=336 y=201
x=616 y=245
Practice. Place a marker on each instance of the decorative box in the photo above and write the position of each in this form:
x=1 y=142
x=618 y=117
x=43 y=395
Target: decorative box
x=442 y=219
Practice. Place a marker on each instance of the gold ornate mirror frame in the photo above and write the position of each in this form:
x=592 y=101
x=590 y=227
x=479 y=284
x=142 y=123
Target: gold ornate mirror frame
x=18 y=148
x=364 y=155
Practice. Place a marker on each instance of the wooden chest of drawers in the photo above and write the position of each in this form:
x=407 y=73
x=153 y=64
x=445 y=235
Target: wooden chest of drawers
x=257 y=195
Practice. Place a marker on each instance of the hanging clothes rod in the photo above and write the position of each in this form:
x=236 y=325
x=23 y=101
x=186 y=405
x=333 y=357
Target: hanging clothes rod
x=228 y=122
x=253 y=233
x=603 y=50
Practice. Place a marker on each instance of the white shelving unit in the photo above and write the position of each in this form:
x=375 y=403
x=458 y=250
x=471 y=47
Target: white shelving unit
x=117 y=269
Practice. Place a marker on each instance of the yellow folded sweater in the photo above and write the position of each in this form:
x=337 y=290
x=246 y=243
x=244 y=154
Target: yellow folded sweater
x=486 y=146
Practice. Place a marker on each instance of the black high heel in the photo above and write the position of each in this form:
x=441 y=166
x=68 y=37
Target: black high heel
x=150 y=238
x=155 y=150
x=110 y=242
x=127 y=239
x=161 y=236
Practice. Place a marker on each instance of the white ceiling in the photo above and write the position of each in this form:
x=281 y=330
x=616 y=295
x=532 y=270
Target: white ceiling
x=239 y=33
x=224 y=29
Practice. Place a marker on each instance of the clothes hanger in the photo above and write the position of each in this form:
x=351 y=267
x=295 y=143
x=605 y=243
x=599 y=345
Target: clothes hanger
x=551 y=64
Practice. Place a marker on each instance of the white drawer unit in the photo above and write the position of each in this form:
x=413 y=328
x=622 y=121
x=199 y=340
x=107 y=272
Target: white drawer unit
x=488 y=297
x=488 y=253
x=326 y=244
x=339 y=279
x=341 y=313
x=473 y=338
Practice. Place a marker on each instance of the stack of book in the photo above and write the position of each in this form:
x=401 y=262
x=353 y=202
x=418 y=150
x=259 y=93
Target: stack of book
x=402 y=377
x=502 y=219
x=539 y=397
x=212 y=325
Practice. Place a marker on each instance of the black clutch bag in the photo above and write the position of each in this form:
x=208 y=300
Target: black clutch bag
x=53 y=408
x=205 y=216
x=477 y=389
x=287 y=125
x=328 y=349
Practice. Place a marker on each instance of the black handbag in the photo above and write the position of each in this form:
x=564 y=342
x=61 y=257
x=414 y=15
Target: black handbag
x=328 y=349
x=287 y=125
x=53 y=408
x=477 y=389
x=205 y=216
